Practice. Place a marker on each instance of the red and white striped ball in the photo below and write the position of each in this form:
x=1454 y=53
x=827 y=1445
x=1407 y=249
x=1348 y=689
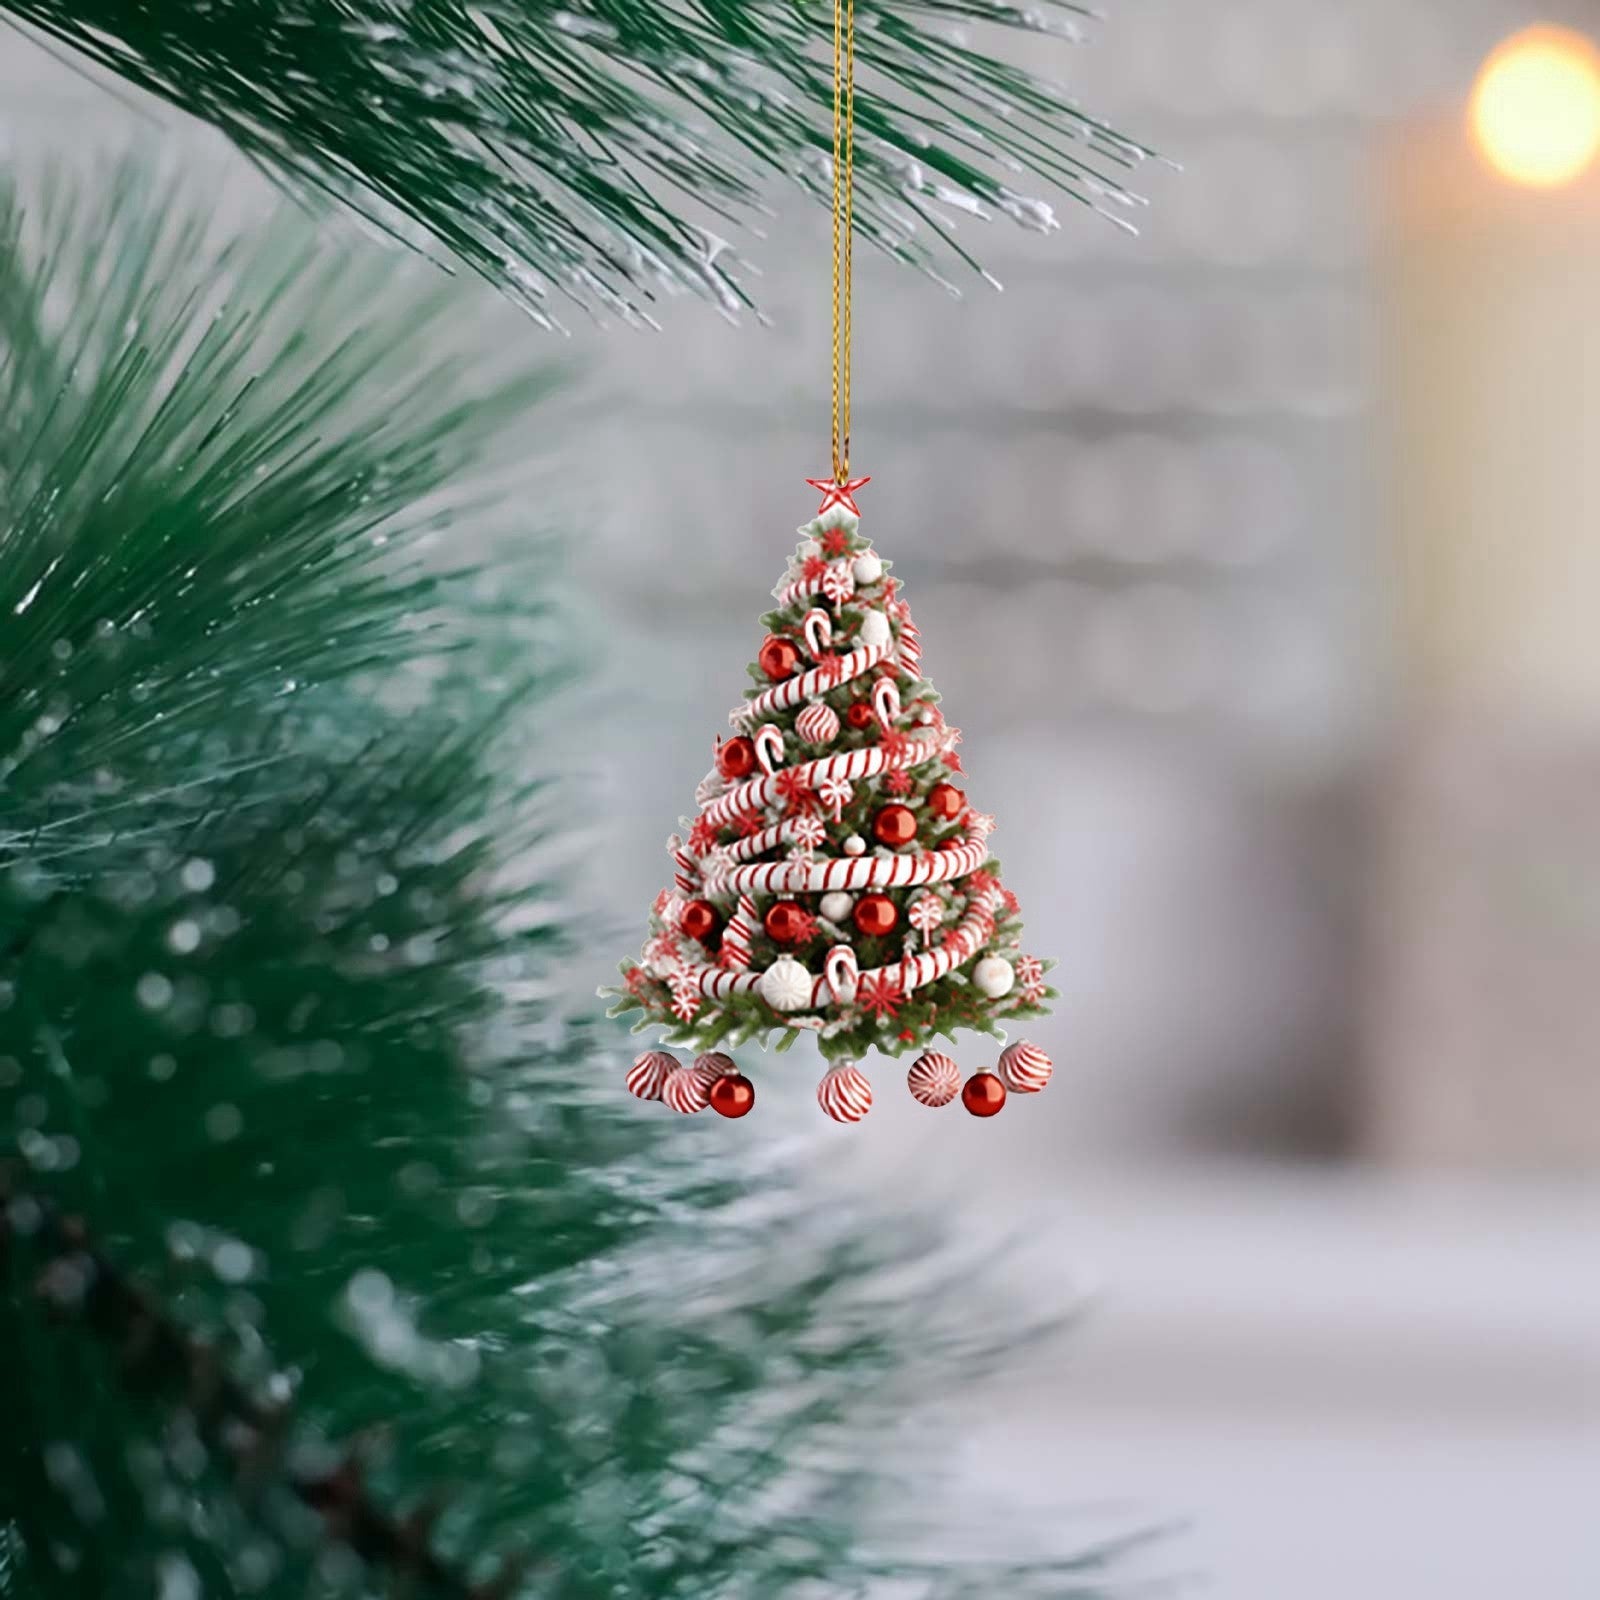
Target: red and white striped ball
x=818 y=723
x=688 y=1089
x=648 y=1075
x=714 y=1064
x=934 y=1079
x=845 y=1094
x=1024 y=1068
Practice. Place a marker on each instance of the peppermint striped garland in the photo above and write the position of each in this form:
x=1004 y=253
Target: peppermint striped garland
x=819 y=680
x=853 y=872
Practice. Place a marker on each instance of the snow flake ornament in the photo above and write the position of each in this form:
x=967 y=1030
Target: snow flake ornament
x=834 y=882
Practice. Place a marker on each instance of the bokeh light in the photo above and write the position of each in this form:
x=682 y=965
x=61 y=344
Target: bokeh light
x=1536 y=107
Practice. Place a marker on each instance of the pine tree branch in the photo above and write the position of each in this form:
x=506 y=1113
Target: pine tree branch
x=584 y=151
x=78 y=1284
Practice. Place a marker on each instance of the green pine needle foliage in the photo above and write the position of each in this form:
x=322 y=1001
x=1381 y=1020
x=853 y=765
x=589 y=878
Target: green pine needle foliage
x=317 y=1214
x=585 y=151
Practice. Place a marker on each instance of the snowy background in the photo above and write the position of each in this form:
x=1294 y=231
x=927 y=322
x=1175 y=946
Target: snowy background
x=1134 y=500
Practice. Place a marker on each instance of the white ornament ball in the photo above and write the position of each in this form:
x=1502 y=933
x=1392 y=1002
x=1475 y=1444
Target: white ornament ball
x=836 y=905
x=934 y=1079
x=868 y=569
x=845 y=1094
x=1024 y=1068
x=818 y=723
x=875 y=630
x=786 y=985
x=688 y=1089
x=855 y=845
x=993 y=976
x=649 y=1073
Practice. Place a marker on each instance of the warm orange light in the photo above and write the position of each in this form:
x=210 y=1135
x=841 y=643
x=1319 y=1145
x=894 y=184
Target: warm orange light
x=1536 y=107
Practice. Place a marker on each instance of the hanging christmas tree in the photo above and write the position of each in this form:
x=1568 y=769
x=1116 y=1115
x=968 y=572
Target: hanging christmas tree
x=837 y=880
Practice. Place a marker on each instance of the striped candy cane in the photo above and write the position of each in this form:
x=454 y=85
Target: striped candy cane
x=686 y=873
x=886 y=703
x=817 y=630
x=737 y=935
x=769 y=747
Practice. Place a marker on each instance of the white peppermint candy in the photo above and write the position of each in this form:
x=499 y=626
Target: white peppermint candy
x=993 y=977
x=836 y=905
x=837 y=583
x=818 y=723
x=925 y=913
x=809 y=833
x=649 y=1073
x=934 y=1079
x=868 y=569
x=786 y=985
x=837 y=793
x=875 y=631
x=1024 y=1068
x=714 y=1064
x=845 y=1094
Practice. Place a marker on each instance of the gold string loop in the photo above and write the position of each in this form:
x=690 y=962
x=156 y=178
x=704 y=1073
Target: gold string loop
x=844 y=161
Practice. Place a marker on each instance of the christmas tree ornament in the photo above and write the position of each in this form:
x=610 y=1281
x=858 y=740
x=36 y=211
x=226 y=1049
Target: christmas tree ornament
x=994 y=976
x=699 y=920
x=736 y=758
x=648 y=1074
x=894 y=826
x=1024 y=1068
x=778 y=657
x=984 y=1094
x=835 y=884
x=845 y=1094
x=732 y=1095
x=875 y=915
x=688 y=1089
x=934 y=1079
x=835 y=905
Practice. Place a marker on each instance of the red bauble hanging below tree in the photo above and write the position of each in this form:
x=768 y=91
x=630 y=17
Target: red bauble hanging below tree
x=732 y=1095
x=984 y=1094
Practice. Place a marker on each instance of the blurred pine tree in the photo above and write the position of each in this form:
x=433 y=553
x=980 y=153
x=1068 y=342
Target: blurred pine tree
x=582 y=152
x=312 y=1207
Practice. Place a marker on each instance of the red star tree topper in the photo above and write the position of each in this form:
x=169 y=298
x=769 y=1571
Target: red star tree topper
x=835 y=882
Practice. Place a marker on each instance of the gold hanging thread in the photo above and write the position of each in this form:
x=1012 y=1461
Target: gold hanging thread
x=839 y=490
x=844 y=160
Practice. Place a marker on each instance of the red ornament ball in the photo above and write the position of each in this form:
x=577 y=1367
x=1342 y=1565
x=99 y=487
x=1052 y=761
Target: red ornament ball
x=875 y=915
x=785 y=922
x=778 y=657
x=946 y=801
x=732 y=1095
x=860 y=716
x=895 y=825
x=984 y=1094
x=699 y=920
x=736 y=758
